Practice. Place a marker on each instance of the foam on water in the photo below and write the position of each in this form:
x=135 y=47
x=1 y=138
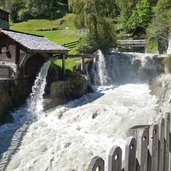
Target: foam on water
x=101 y=69
x=69 y=136
x=35 y=101
x=169 y=44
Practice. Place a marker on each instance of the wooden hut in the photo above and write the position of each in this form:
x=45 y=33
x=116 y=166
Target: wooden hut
x=22 y=52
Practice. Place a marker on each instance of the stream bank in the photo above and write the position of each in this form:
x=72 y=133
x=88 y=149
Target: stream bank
x=161 y=87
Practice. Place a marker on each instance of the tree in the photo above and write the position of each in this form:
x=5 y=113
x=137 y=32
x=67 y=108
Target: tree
x=97 y=16
x=141 y=16
x=163 y=6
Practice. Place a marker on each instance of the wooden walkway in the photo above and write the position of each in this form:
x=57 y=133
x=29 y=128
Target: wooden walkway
x=132 y=43
x=120 y=43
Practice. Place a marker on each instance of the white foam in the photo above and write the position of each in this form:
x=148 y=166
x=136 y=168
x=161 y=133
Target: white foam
x=69 y=136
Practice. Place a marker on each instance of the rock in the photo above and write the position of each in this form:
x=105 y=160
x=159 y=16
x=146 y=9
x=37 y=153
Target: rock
x=57 y=92
x=12 y=96
x=161 y=87
x=63 y=91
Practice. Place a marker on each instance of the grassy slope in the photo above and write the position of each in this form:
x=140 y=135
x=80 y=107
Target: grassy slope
x=59 y=36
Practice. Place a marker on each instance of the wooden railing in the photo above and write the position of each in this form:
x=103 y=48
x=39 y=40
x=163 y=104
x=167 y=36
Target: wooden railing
x=148 y=148
x=71 y=45
x=133 y=43
x=136 y=43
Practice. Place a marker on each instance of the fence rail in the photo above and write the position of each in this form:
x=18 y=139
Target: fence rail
x=133 y=43
x=71 y=45
x=148 y=148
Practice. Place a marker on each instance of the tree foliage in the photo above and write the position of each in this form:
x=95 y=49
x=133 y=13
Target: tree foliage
x=97 y=16
x=141 y=16
x=25 y=9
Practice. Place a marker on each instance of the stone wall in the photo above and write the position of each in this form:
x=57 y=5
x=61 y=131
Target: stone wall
x=161 y=87
x=4 y=24
x=12 y=96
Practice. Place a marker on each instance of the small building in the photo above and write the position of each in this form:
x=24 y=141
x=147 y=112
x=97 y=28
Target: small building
x=4 y=19
x=24 y=54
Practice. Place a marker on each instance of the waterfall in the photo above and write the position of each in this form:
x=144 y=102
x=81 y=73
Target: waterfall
x=169 y=44
x=122 y=68
x=102 y=74
x=35 y=101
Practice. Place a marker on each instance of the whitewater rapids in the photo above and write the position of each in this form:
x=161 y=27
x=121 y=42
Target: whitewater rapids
x=66 y=138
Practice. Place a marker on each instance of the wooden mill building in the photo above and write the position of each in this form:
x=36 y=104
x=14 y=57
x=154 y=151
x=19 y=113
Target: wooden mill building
x=25 y=53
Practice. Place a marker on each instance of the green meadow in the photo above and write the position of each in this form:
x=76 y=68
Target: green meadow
x=65 y=34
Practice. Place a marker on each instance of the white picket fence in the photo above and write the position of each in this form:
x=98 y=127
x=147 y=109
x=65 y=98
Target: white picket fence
x=148 y=148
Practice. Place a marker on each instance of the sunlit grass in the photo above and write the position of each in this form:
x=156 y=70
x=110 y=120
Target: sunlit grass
x=65 y=34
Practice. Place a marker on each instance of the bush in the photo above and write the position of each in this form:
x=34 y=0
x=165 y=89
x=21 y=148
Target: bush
x=167 y=63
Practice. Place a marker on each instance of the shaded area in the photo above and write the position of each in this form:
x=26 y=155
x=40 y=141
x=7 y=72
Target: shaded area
x=11 y=136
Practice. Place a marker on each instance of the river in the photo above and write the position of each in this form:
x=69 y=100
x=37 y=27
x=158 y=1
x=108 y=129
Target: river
x=65 y=138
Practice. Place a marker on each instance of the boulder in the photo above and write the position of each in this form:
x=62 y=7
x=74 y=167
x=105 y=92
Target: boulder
x=63 y=91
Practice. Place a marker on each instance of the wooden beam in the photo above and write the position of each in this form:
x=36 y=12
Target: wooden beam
x=82 y=65
x=17 y=56
x=63 y=66
x=82 y=55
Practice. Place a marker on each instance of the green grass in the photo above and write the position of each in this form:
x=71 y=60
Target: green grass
x=70 y=63
x=59 y=36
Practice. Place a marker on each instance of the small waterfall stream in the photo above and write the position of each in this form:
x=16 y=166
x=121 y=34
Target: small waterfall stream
x=35 y=101
x=101 y=69
x=71 y=134
x=169 y=44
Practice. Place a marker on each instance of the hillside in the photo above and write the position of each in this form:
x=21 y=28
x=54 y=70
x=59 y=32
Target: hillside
x=65 y=34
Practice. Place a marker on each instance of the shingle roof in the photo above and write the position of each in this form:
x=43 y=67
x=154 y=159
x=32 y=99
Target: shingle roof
x=34 y=42
x=1 y=10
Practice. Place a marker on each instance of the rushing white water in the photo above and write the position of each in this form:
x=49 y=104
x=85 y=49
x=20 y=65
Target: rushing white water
x=35 y=101
x=169 y=44
x=67 y=137
x=101 y=69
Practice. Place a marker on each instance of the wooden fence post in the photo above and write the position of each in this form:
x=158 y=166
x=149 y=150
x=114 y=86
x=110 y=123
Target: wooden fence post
x=96 y=163
x=166 y=142
x=170 y=146
x=153 y=148
x=115 y=159
x=82 y=65
x=130 y=155
x=141 y=133
x=161 y=144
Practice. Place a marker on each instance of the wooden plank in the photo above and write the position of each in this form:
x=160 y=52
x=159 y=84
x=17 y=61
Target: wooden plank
x=170 y=147
x=142 y=149
x=63 y=66
x=153 y=148
x=130 y=155
x=115 y=159
x=96 y=164
x=134 y=131
x=141 y=134
x=161 y=144
x=166 y=142
x=83 y=65
x=81 y=55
